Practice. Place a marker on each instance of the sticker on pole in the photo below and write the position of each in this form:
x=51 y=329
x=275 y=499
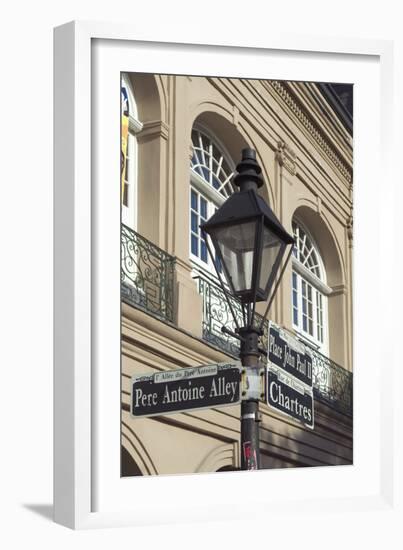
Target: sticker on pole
x=289 y=376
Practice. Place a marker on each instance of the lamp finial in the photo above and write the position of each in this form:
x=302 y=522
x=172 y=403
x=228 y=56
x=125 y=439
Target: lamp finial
x=249 y=174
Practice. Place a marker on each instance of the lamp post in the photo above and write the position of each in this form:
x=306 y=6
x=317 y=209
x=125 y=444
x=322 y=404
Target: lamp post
x=248 y=247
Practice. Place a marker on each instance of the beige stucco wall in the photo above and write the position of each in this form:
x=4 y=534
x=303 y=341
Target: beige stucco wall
x=306 y=158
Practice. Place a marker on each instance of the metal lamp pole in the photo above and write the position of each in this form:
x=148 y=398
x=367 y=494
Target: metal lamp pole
x=249 y=178
x=253 y=391
x=249 y=244
x=249 y=354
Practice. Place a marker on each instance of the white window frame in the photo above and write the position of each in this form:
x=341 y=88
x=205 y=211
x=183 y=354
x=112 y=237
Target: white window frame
x=129 y=213
x=225 y=157
x=214 y=200
x=204 y=266
x=318 y=284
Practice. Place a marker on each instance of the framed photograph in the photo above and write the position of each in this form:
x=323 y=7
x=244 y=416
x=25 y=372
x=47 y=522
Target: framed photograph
x=215 y=217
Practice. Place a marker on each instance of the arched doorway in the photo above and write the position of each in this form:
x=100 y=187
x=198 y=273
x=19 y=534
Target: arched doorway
x=128 y=467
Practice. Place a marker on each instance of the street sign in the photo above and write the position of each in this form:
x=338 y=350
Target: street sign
x=289 y=376
x=288 y=397
x=289 y=354
x=186 y=389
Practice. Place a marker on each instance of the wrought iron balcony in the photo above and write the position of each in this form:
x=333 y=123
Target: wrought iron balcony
x=147 y=275
x=333 y=384
x=216 y=313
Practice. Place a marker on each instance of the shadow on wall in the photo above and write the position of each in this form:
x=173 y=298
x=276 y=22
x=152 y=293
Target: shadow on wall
x=329 y=444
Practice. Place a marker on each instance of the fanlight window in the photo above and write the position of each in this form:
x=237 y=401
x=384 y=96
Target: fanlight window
x=209 y=163
x=210 y=185
x=130 y=126
x=305 y=251
x=309 y=301
x=128 y=102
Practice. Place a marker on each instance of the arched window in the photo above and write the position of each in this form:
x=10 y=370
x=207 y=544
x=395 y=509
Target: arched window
x=130 y=126
x=211 y=171
x=309 y=290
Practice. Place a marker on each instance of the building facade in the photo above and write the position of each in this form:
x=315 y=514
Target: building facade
x=182 y=138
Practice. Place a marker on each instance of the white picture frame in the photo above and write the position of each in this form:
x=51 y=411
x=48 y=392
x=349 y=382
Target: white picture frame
x=85 y=494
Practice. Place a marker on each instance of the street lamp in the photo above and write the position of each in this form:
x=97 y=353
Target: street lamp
x=249 y=244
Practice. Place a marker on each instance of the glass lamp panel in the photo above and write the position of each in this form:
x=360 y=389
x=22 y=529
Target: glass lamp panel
x=271 y=248
x=236 y=244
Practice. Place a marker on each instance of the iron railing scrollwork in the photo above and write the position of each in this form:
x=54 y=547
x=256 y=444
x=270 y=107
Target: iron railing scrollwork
x=147 y=275
x=332 y=383
x=217 y=313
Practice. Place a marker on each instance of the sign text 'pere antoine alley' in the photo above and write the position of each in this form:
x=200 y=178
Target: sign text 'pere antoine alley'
x=187 y=388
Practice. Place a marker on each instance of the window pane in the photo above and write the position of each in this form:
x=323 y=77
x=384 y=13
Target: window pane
x=206 y=173
x=203 y=208
x=203 y=250
x=193 y=200
x=195 y=250
x=216 y=183
x=125 y=194
x=294 y=298
x=218 y=264
x=200 y=158
x=319 y=316
x=199 y=170
x=194 y=223
x=216 y=154
x=124 y=98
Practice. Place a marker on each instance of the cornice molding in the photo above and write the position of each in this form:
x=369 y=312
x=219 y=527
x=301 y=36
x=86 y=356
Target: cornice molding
x=286 y=157
x=135 y=125
x=312 y=129
x=338 y=290
x=154 y=128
